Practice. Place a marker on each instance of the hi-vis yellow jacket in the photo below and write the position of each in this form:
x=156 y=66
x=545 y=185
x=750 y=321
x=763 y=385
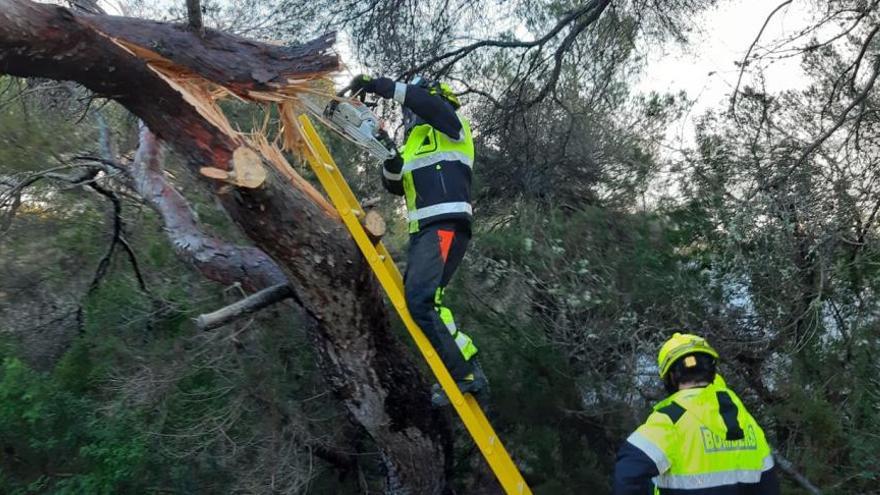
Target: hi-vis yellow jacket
x=698 y=441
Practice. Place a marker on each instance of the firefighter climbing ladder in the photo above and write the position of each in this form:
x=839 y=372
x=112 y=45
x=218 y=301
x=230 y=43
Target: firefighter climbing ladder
x=389 y=276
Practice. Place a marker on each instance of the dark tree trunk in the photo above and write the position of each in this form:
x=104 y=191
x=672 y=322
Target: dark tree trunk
x=364 y=363
x=194 y=13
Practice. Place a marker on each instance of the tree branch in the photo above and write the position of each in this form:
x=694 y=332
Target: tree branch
x=788 y=468
x=214 y=258
x=813 y=146
x=858 y=62
x=842 y=118
x=194 y=13
x=462 y=52
x=255 y=302
x=745 y=60
x=563 y=48
x=104 y=263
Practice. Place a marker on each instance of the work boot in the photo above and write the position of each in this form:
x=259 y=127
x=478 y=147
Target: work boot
x=474 y=384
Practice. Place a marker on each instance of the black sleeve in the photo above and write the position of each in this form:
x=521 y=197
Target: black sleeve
x=391 y=177
x=633 y=472
x=434 y=110
x=769 y=484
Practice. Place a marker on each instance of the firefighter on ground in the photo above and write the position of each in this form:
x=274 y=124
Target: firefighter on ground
x=433 y=172
x=700 y=440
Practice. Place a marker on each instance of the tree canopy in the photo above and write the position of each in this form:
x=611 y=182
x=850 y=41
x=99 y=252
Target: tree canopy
x=760 y=234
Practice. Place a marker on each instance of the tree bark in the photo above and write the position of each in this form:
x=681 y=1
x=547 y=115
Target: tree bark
x=194 y=13
x=216 y=259
x=363 y=361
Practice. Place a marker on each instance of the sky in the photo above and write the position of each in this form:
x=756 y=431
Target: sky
x=706 y=67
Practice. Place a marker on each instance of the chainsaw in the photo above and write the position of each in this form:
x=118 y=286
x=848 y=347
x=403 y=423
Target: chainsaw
x=353 y=120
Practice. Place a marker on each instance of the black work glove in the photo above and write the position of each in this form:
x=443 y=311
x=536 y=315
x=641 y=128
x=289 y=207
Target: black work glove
x=381 y=86
x=362 y=82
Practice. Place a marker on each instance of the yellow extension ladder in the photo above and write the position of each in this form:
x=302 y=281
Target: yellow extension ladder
x=389 y=276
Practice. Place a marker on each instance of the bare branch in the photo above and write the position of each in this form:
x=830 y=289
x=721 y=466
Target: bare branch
x=135 y=266
x=244 y=307
x=214 y=258
x=10 y=199
x=563 y=48
x=104 y=264
x=749 y=53
x=857 y=64
x=788 y=468
x=462 y=52
x=843 y=116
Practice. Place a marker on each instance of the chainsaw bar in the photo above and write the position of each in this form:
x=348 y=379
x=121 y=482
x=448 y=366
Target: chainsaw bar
x=354 y=121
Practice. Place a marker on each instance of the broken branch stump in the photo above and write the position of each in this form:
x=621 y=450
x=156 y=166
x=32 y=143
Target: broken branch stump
x=244 y=307
x=374 y=225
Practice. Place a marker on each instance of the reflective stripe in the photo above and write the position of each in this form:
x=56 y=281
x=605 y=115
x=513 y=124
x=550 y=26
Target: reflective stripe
x=466 y=346
x=642 y=443
x=399 y=92
x=768 y=463
x=440 y=209
x=464 y=343
x=440 y=156
x=451 y=327
x=390 y=176
x=438 y=300
x=708 y=480
x=445 y=314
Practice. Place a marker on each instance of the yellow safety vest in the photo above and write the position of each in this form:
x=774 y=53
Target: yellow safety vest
x=702 y=438
x=436 y=175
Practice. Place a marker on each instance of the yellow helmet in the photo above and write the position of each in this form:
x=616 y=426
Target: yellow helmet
x=446 y=92
x=681 y=344
x=440 y=89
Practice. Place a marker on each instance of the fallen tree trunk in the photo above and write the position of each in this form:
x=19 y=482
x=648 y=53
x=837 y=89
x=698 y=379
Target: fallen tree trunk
x=364 y=363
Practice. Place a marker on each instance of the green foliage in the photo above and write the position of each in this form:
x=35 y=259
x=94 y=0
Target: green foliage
x=29 y=139
x=56 y=439
x=558 y=302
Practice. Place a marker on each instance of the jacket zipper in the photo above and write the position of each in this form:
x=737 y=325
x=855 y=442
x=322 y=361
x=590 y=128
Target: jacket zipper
x=442 y=182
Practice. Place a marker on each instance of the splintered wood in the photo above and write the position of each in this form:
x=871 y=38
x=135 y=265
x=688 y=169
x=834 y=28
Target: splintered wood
x=274 y=156
x=255 y=149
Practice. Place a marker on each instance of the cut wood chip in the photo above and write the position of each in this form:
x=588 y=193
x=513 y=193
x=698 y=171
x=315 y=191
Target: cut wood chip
x=214 y=173
x=249 y=171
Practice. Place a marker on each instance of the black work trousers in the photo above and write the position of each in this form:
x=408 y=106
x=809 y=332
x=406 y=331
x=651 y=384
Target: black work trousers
x=435 y=252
